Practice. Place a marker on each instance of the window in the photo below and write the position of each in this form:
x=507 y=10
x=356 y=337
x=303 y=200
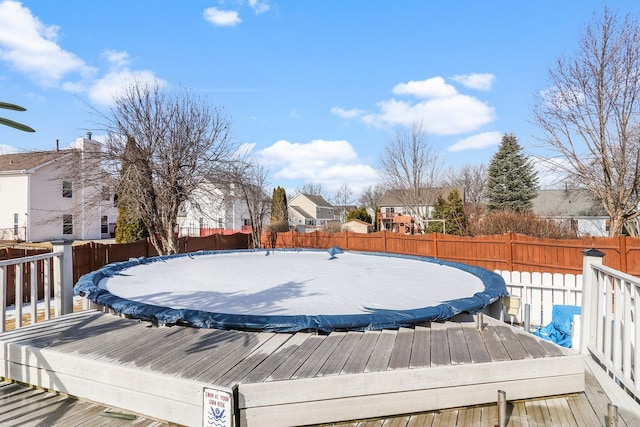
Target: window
x=106 y=196
x=104 y=224
x=15 y=224
x=67 y=189
x=67 y=224
x=247 y=222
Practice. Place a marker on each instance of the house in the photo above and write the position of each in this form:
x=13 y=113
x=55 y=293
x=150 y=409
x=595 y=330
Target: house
x=310 y=212
x=357 y=226
x=576 y=208
x=395 y=215
x=218 y=210
x=47 y=195
x=341 y=212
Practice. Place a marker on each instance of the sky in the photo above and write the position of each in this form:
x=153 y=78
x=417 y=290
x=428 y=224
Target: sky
x=315 y=88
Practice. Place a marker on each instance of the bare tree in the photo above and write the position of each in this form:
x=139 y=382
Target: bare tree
x=371 y=196
x=411 y=168
x=249 y=183
x=173 y=144
x=591 y=115
x=313 y=189
x=343 y=199
x=472 y=180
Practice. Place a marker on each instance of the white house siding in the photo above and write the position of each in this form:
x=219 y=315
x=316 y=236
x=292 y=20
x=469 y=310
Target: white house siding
x=214 y=210
x=13 y=200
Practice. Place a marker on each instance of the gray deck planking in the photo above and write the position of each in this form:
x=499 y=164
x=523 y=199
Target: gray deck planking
x=229 y=357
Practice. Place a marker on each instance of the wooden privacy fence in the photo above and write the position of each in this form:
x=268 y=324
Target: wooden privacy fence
x=510 y=251
x=91 y=256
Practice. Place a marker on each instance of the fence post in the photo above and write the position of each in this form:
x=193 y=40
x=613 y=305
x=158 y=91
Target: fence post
x=588 y=320
x=63 y=277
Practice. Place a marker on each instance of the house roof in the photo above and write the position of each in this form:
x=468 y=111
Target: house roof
x=317 y=200
x=301 y=211
x=567 y=203
x=359 y=221
x=30 y=160
x=394 y=197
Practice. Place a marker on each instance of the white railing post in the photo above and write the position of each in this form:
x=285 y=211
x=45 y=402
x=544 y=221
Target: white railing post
x=589 y=318
x=63 y=277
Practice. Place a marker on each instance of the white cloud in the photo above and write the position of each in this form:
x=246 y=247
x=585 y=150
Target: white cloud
x=480 y=140
x=222 y=18
x=442 y=116
x=7 y=149
x=259 y=6
x=441 y=109
x=347 y=114
x=434 y=87
x=475 y=80
x=330 y=163
x=29 y=46
x=112 y=84
x=552 y=172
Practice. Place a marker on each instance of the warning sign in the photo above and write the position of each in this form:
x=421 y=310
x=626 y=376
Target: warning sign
x=218 y=408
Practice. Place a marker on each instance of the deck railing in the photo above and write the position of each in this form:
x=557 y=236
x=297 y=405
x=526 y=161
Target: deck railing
x=53 y=269
x=540 y=292
x=609 y=325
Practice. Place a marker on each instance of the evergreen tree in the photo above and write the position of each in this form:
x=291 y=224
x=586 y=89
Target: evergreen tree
x=279 y=211
x=279 y=220
x=360 y=213
x=456 y=218
x=129 y=226
x=129 y=229
x=451 y=211
x=512 y=181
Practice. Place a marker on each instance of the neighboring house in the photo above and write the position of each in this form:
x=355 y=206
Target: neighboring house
x=357 y=226
x=219 y=210
x=45 y=196
x=342 y=212
x=575 y=208
x=310 y=212
x=395 y=216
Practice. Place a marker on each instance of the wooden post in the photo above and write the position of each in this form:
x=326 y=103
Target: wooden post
x=508 y=241
x=612 y=415
x=622 y=244
x=63 y=278
x=588 y=320
x=502 y=408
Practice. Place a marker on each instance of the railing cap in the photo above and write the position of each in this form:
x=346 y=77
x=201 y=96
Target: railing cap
x=593 y=252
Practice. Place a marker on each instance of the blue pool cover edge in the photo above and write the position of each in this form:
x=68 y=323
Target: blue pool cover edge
x=88 y=287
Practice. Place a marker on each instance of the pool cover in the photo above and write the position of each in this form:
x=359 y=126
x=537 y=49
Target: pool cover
x=374 y=319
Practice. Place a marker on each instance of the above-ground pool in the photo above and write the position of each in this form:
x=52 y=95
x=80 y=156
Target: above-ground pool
x=286 y=290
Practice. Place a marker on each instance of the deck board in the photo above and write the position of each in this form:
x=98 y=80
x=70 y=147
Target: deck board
x=420 y=351
x=357 y=361
x=440 y=355
x=458 y=349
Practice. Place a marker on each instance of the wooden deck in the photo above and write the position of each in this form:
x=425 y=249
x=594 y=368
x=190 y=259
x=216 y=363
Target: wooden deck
x=26 y=406
x=287 y=379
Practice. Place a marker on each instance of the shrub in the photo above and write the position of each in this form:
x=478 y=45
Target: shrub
x=525 y=223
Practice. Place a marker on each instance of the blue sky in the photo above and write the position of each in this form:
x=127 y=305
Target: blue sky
x=316 y=87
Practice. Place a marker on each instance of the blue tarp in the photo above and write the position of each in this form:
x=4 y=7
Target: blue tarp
x=88 y=286
x=559 y=330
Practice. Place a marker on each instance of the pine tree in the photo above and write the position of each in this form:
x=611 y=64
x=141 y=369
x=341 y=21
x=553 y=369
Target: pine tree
x=279 y=220
x=512 y=181
x=129 y=229
x=360 y=213
x=451 y=211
